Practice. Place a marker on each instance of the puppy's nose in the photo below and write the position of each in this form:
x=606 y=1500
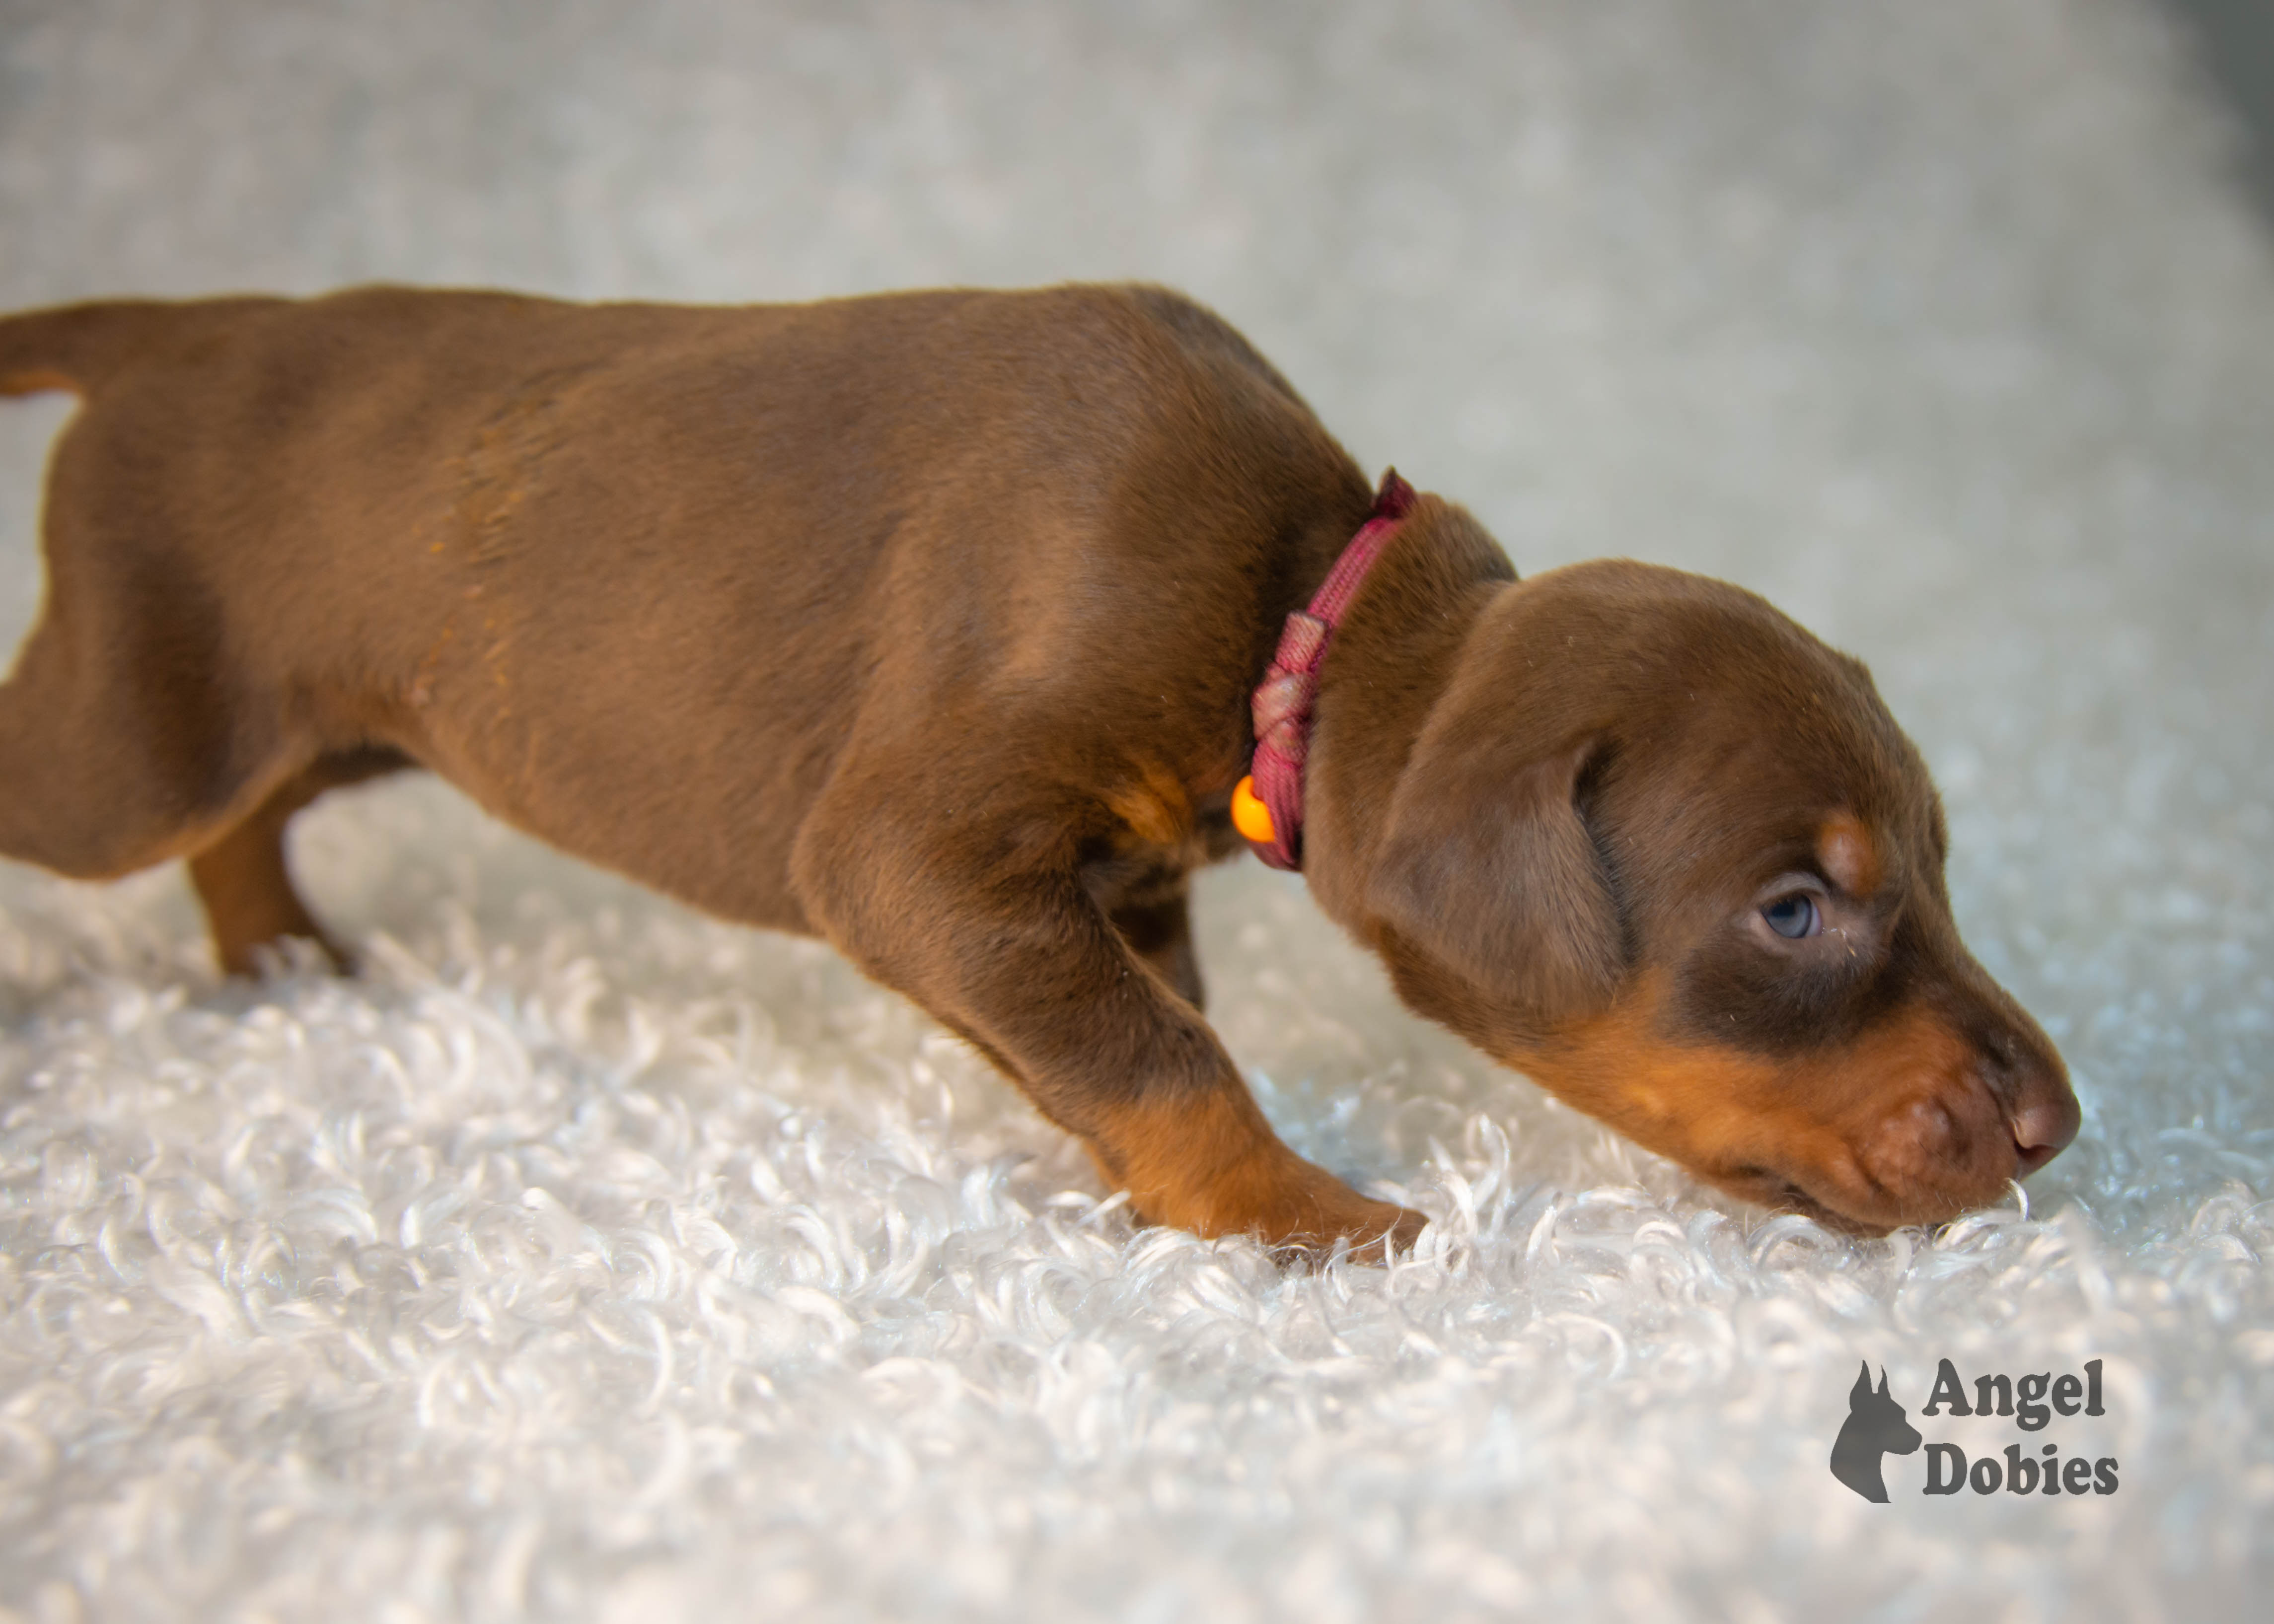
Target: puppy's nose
x=2043 y=1127
x=2026 y=1076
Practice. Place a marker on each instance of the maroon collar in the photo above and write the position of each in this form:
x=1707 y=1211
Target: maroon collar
x=1268 y=806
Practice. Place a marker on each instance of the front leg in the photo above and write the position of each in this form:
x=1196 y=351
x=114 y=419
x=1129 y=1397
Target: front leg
x=998 y=939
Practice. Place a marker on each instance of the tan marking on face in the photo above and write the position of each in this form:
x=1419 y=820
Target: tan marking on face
x=1890 y=1129
x=1849 y=855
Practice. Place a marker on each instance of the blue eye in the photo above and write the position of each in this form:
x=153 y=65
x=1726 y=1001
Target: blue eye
x=1793 y=917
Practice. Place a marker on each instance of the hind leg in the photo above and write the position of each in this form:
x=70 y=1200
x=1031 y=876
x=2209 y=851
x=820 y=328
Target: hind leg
x=242 y=878
x=103 y=771
x=126 y=738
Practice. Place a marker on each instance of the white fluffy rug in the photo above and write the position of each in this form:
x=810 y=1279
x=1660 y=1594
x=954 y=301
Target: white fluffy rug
x=584 y=1259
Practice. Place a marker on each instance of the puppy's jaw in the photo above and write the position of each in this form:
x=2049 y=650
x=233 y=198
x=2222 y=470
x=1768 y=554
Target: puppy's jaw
x=1913 y=1122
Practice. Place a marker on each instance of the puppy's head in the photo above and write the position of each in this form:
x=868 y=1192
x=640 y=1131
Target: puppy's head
x=1664 y=852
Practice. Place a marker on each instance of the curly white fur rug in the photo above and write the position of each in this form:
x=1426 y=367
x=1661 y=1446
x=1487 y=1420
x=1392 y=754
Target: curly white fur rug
x=584 y=1259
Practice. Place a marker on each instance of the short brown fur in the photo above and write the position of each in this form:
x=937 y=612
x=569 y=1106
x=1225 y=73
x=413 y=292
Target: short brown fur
x=927 y=623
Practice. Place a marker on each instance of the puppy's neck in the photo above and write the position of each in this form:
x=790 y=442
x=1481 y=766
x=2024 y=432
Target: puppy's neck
x=1392 y=657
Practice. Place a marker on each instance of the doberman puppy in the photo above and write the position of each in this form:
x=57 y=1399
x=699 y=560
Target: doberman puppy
x=929 y=623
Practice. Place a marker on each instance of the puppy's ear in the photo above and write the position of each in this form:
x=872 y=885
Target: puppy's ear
x=1488 y=868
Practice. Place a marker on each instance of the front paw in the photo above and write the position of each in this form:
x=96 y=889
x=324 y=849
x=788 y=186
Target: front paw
x=1376 y=1230
x=1401 y=1235
x=1292 y=1205
x=1209 y=1163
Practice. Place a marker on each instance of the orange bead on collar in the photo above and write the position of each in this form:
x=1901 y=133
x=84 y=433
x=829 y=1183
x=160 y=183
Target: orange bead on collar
x=1250 y=816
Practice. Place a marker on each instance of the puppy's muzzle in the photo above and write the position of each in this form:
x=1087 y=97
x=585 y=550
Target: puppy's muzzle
x=1962 y=1132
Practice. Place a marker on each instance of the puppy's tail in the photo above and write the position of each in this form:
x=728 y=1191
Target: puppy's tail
x=80 y=347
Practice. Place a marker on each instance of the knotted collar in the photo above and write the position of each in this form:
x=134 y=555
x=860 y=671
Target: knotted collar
x=1267 y=807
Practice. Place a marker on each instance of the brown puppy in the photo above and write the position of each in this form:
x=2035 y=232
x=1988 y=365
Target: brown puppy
x=928 y=623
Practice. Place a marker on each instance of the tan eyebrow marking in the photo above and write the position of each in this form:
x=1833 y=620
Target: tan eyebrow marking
x=1849 y=855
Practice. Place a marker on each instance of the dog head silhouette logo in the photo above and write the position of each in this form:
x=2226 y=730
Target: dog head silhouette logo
x=1876 y=1426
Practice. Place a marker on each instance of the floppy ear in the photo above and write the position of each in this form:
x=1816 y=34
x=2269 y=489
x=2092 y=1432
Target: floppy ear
x=1488 y=867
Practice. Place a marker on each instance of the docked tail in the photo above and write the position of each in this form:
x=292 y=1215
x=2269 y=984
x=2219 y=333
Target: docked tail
x=78 y=347
x=72 y=347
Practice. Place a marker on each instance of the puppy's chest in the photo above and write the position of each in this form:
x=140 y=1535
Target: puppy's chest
x=1146 y=861
x=1118 y=880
